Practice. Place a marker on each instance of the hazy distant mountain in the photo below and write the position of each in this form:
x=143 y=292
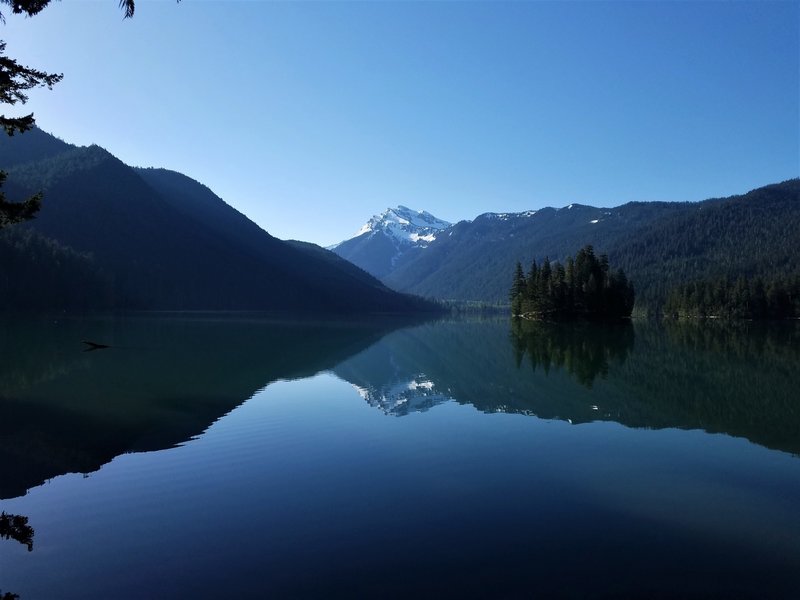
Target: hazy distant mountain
x=157 y=239
x=390 y=238
x=659 y=244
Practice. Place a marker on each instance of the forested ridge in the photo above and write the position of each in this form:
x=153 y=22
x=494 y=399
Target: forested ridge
x=120 y=237
x=111 y=236
x=659 y=245
x=747 y=237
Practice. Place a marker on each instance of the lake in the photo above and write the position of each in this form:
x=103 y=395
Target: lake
x=237 y=457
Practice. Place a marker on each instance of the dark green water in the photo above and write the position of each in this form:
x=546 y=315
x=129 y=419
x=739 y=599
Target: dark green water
x=233 y=457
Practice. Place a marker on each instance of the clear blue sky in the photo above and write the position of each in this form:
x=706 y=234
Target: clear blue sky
x=309 y=117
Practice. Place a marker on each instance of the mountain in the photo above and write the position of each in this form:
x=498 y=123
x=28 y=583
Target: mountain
x=751 y=235
x=390 y=238
x=156 y=239
x=658 y=244
x=474 y=261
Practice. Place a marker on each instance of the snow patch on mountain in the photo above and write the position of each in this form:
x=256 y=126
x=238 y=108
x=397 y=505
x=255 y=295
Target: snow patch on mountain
x=405 y=226
x=507 y=216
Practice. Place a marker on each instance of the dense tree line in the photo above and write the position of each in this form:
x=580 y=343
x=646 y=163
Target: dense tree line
x=585 y=287
x=753 y=235
x=39 y=273
x=742 y=298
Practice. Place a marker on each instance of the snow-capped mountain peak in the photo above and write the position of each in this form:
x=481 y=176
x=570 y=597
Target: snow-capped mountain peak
x=405 y=226
x=388 y=237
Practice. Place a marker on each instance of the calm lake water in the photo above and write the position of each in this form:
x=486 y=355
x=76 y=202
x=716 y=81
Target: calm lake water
x=238 y=458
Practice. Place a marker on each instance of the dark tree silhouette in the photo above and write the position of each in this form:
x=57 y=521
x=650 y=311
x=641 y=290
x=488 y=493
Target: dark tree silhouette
x=15 y=527
x=585 y=288
x=15 y=81
x=34 y=7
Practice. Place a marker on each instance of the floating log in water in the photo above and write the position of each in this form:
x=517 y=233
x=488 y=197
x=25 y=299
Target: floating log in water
x=94 y=346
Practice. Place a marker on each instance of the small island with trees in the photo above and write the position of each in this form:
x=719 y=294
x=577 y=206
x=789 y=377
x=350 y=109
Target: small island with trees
x=584 y=288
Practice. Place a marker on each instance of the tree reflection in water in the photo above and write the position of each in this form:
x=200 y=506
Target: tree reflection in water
x=584 y=351
x=15 y=527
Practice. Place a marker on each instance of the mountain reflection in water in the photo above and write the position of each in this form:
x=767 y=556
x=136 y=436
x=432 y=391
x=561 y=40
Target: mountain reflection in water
x=164 y=381
x=737 y=379
x=276 y=479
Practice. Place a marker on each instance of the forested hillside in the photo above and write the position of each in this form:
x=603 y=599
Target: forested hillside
x=154 y=239
x=753 y=235
x=659 y=245
x=39 y=273
x=475 y=259
x=743 y=298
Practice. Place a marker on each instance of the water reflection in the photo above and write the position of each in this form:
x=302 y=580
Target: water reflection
x=164 y=381
x=474 y=363
x=584 y=350
x=15 y=527
x=740 y=380
x=308 y=492
x=160 y=383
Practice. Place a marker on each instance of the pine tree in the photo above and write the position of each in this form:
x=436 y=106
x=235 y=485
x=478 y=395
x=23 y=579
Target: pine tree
x=517 y=293
x=531 y=302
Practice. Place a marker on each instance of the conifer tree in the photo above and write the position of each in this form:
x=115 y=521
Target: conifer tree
x=15 y=81
x=585 y=288
x=517 y=293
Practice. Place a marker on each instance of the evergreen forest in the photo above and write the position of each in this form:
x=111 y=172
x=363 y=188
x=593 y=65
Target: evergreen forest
x=585 y=288
x=659 y=245
x=742 y=298
x=112 y=237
